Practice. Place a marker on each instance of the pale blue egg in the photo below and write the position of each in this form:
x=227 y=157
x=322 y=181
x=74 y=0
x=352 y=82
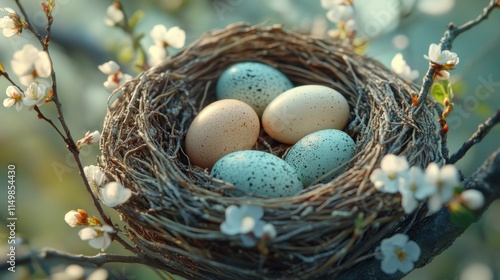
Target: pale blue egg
x=321 y=153
x=254 y=83
x=257 y=172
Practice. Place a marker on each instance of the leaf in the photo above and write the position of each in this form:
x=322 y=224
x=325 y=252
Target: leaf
x=135 y=18
x=461 y=216
x=438 y=92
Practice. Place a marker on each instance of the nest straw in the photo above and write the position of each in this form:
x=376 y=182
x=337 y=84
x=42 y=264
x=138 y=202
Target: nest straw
x=175 y=215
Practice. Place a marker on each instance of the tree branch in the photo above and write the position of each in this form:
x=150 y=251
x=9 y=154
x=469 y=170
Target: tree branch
x=446 y=44
x=97 y=260
x=436 y=233
x=482 y=130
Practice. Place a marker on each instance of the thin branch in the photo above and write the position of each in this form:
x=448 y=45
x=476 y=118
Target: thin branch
x=42 y=117
x=446 y=44
x=436 y=233
x=97 y=260
x=482 y=130
x=67 y=137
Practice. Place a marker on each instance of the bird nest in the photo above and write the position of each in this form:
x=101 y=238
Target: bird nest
x=174 y=217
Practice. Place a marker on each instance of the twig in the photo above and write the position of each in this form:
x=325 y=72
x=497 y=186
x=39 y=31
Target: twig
x=97 y=260
x=436 y=233
x=481 y=132
x=446 y=44
x=67 y=137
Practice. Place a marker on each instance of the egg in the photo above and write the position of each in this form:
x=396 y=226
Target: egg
x=259 y=173
x=220 y=128
x=254 y=83
x=303 y=110
x=321 y=154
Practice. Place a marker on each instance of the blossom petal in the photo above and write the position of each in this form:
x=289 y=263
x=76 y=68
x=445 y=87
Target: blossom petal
x=247 y=224
x=254 y=211
x=412 y=250
x=175 y=37
x=389 y=264
x=42 y=65
x=87 y=233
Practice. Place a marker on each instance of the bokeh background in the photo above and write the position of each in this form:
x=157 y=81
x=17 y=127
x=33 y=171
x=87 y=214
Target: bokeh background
x=48 y=184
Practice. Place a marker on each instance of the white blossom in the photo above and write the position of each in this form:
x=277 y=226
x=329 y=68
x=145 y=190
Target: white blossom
x=446 y=57
x=340 y=13
x=413 y=188
x=399 y=253
x=114 y=194
x=14 y=97
x=71 y=218
x=35 y=95
x=98 y=237
x=109 y=68
x=114 y=15
x=156 y=54
x=94 y=175
x=10 y=24
x=30 y=63
x=387 y=177
x=116 y=77
x=241 y=220
x=351 y=26
x=399 y=66
x=441 y=183
x=90 y=138
x=76 y=218
x=472 y=199
x=173 y=37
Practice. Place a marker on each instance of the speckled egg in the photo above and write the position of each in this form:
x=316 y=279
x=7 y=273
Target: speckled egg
x=221 y=128
x=321 y=153
x=259 y=173
x=303 y=110
x=254 y=83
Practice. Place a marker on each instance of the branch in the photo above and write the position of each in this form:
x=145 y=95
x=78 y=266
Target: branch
x=446 y=44
x=482 y=130
x=97 y=260
x=67 y=137
x=436 y=233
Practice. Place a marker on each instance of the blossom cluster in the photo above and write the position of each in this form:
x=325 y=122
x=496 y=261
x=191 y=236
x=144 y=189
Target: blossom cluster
x=162 y=38
x=112 y=195
x=116 y=77
x=246 y=222
x=29 y=64
x=436 y=184
x=341 y=12
x=97 y=234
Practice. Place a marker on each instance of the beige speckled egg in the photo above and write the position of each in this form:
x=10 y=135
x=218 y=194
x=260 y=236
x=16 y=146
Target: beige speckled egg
x=303 y=110
x=222 y=127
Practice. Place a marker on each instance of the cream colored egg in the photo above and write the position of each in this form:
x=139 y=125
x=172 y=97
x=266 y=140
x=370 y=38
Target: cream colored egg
x=303 y=110
x=221 y=128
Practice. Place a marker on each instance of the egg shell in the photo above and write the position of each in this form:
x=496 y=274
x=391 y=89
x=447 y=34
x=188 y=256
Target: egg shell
x=220 y=128
x=254 y=83
x=319 y=153
x=303 y=110
x=259 y=173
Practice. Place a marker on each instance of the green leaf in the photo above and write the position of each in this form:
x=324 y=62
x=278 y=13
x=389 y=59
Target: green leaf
x=438 y=92
x=135 y=18
x=461 y=216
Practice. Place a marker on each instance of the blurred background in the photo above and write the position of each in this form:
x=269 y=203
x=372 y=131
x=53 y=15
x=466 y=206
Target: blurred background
x=48 y=184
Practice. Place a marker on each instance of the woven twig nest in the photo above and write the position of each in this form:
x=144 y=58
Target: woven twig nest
x=175 y=215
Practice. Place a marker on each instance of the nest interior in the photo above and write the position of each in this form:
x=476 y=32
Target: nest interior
x=175 y=215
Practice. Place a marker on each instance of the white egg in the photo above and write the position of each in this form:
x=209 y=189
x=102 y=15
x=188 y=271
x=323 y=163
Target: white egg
x=303 y=110
x=257 y=172
x=254 y=83
x=321 y=155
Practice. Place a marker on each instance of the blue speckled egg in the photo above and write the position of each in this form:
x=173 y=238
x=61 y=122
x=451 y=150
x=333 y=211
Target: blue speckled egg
x=259 y=173
x=321 y=153
x=254 y=83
